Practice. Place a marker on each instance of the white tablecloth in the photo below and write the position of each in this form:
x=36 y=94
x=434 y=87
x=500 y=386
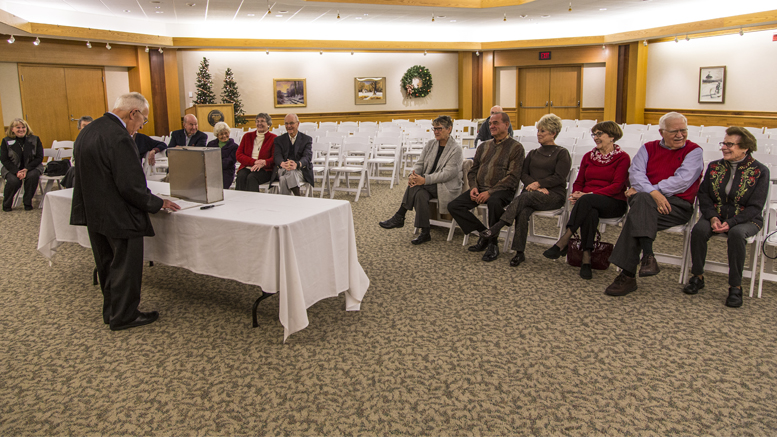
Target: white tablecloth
x=304 y=248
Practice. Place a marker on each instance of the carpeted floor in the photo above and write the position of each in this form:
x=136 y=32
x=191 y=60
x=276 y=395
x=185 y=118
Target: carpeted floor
x=445 y=344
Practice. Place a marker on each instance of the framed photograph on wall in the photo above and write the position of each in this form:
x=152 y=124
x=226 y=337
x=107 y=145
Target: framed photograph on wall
x=369 y=90
x=290 y=93
x=712 y=84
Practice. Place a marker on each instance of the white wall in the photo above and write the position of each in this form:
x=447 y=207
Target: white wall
x=750 y=60
x=330 y=78
x=506 y=81
x=116 y=84
x=593 y=86
x=10 y=92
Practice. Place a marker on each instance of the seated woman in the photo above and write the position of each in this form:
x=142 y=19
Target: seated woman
x=598 y=192
x=228 y=151
x=731 y=201
x=436 y=175
x=21 y=154
x=255 y=155
x=544 y=176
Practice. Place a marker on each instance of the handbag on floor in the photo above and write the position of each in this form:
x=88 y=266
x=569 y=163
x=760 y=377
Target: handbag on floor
x=600 y=256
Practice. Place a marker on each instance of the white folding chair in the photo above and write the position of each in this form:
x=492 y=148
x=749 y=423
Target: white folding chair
x=567 y=123
x=354 y=159
x=307 y=127
x=211 y=136
x=321 y=162
x=348 y=126
x=586 y=124
x=685 y=231
x=561 y=214
x=62 y=145
x=385 y=151
x=327 y=126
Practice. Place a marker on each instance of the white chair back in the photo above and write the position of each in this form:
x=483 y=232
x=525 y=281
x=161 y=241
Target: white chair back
x=62 y=145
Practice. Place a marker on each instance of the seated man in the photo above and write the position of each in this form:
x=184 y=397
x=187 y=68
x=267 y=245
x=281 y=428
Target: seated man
x=664 y=178
x=293 y=157
x=493 y=178
x=189 y=135
x=83 y=121
x=484 y=134
x=148 y=147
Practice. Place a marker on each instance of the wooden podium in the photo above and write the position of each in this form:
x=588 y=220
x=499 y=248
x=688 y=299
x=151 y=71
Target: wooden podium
x=209 y=115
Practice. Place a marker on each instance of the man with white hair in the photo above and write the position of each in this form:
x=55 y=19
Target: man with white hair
x=665 y=176
x=484 y=134
x=190 y=135
x=293 y=157
x=111 y=199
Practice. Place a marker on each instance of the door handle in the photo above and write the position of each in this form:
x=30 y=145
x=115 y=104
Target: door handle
x=533 y=107
x=73 y=119
x=578 y=104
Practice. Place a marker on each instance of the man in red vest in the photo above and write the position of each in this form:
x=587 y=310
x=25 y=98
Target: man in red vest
x=664 y=176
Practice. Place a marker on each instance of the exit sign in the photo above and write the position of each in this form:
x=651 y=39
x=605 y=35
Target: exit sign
x=774 y=37
x=544 y=56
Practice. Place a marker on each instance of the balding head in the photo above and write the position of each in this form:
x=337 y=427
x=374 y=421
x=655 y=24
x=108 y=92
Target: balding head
x=496 y=109
x=190 y=125
x=292 y=124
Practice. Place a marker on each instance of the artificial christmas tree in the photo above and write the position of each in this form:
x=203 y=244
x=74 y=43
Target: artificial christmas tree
x=204 y=85
x=230 y=94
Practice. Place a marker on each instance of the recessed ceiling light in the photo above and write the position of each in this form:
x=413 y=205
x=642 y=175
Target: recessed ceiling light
x=127 y=10
x=283 y=12
x=524 y=15
x=453 y=21
x=191 y=4
x=441 y=16
x=366 y=14
x=545 y=16
x=155 y=2
x=358 y=18
x=251 y=15
x=279 y=16
x=602 y=9
x=157 y=7
x=160 y=12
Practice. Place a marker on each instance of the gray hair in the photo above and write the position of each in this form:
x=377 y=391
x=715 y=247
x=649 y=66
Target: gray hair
x=444 y=121
x=504 y=117
x=220 y=127
x=266 y=117
x=670 y=116
x=83 y=119
x=550 y=123
x=131 y=101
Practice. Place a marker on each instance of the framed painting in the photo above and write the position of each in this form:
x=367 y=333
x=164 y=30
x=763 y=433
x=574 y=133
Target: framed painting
x=712 y=84
x=290 y=93
x=369 y=90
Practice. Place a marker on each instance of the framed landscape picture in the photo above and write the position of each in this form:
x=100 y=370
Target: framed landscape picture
x=290 y=93
x=712 y=84
x=369 y=90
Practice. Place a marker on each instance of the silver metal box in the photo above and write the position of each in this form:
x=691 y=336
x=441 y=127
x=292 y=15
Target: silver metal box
x=195 y=174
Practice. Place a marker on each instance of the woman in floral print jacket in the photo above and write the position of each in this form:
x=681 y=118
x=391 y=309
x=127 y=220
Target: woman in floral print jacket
x=731 y=201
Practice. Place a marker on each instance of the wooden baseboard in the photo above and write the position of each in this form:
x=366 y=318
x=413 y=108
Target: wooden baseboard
x=698 y=117
x=379 y=116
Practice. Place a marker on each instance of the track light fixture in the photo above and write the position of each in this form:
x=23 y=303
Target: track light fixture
x=160 y=50
x=147 y=49
x=505 y=18
x=108 y=46
x=267 y=52
x=351 y=52
x=675 y=38
x=88 y=45
x=644 y=43
x=741 y=32
x=37 y=41
x=321 y=52
x=604 y=47
x=424 y=52
x=570 y=6
x=432 y=17
x=338 y=14
x=687 y=38
x=11 y=40
x=477 y=52
x=269 y=11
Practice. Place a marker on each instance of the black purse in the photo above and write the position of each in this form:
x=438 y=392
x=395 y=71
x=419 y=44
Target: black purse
x=57 y=168
x=600 y=256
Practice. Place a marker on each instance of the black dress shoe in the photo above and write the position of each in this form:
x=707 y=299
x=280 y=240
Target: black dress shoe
x=555 y=252
x=422 y=238
x=143 y=319
x=648 y=266
x=694 y=285
x=396 y=221
x=585 y=271
x=28 y=207
x=480 y=245
x=734 y=299
x=7 y=209
x=517 y=259
x=492 y=252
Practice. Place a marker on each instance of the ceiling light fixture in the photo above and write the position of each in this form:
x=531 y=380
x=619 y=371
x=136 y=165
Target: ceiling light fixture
x=267 y=52
x=505 y=19
x=432 y=17
x=477 y=52
x=741 y=32
x=351 y=52
x=687 y=38
x=602 y=9
x=269 y=11
x=160 y=50
x=11 y=40
x=108 y=46
x=524 y=15
x=644 y=43
x=604 y=47
x=321 y=52
x=37 y=41
x=338 y=14
x=127 y=10
x=251 y=15
x=675 y=38
x=570 y=6
x=88 y=45
x=146 y=49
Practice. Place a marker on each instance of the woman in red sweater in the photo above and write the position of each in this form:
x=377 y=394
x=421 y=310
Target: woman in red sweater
x=598 y=192
x=255 y=155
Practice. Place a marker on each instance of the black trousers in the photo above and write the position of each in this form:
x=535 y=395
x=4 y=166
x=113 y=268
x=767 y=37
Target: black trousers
x=521 y=209
x=460 y=208
x=418 y=198
x=248 y=180
x=586 y=213
x=12 y=185
x=644 y=220
x=737 y=248
x=119 y=264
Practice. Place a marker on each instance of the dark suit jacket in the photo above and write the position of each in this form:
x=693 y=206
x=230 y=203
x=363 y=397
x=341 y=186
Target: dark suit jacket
x=228 y=160
x=178 y=139
x=23 y=153
x=301 y=151
x=145 y=144
x=110 y=196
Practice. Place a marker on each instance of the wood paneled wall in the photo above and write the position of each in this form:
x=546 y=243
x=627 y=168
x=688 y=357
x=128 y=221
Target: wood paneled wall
x=592 y=114
x=698 y=117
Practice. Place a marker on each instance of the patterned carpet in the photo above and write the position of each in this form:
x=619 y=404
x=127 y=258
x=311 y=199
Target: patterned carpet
x=445 y=344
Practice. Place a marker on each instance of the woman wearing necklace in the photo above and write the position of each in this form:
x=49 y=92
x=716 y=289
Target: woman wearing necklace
x=21 y=154
x=731 y=201
x=598 y=192
x=544 y=176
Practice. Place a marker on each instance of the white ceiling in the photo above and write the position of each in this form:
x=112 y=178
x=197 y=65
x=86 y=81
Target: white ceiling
x=299 y=19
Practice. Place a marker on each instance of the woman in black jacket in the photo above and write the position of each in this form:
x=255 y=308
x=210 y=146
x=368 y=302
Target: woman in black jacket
x=21 y=154
x=731 y=201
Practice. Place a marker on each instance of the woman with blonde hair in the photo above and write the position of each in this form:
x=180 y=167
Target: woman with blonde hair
x=21 y=154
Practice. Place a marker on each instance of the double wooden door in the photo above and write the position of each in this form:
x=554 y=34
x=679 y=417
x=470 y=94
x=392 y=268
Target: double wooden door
x=54 y=98
x=548 y=90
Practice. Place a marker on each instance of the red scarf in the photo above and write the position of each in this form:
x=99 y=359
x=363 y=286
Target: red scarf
x=597 y=156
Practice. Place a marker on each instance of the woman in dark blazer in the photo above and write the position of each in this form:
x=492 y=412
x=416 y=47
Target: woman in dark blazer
x=731 y=201
x=21 y=154
x=228 y=151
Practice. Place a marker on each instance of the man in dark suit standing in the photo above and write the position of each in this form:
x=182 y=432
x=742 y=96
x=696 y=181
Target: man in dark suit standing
x=111 y=199
x=293 y=157
x=189 y=135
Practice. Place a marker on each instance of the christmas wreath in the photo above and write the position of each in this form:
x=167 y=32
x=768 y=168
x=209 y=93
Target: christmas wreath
x=417 y=81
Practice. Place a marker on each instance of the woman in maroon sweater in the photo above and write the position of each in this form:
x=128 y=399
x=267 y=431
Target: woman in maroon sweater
x=598 y=192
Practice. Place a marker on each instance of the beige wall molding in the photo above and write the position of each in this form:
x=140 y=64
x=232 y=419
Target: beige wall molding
x=698 y=117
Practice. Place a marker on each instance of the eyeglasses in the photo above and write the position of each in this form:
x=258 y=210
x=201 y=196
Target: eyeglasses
x=145 y=119
x=678 y=131
x=293 y=123
x=596 y=134
x=437 y=129
x=728 y=145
